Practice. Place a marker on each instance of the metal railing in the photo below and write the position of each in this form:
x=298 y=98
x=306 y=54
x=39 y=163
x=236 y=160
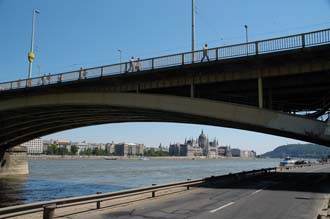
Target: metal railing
x=291 y=42
x=48 y=206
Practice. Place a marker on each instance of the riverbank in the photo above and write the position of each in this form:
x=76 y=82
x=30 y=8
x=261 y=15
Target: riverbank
x=77 y=157
x=295 y=193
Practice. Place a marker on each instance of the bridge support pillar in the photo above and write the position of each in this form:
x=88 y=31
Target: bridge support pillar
x=192 y=90
x=270 y=98
x=13 y=161
x=260 y=93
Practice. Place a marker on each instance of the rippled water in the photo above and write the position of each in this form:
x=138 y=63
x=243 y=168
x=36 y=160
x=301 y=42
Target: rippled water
x=53 y=179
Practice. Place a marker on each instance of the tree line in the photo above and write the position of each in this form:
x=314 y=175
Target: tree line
x=54 y=149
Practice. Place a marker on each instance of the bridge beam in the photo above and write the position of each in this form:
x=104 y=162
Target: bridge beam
x=131 y=107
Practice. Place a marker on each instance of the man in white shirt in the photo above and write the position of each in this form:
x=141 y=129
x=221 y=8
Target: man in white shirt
x=205 y=53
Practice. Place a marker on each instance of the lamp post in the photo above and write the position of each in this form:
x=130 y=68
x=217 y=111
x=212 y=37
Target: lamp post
x=119 y=50
x=246 y=39
x=31 y=54
x=193 y=30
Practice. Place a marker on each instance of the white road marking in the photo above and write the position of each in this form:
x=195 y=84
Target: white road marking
x=317 y=169
x=217 y=209
x=253 y=193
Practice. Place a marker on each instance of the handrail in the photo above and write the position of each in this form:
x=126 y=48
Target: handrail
x=254 y=48
x=66 y=202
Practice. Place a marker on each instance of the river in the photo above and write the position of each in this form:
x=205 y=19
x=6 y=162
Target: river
x=53 y=179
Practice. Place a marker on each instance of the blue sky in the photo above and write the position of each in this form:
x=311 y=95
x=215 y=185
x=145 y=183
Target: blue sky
x=78 y=33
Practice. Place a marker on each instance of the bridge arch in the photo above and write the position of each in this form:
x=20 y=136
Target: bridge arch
x=28 y=117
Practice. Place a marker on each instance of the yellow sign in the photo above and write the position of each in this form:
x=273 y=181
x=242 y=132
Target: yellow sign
x=31 y=56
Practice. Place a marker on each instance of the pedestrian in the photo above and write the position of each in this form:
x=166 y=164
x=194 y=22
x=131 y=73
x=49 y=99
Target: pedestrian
x=29 y=83
x=205 y=53
x=85 y=74
x=131 y=65
x=43 y=79
x=81 y=73
x=138 y=65
x=59 y=78
x=49 y=78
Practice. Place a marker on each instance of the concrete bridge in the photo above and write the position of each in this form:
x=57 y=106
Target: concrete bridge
x=277 y=86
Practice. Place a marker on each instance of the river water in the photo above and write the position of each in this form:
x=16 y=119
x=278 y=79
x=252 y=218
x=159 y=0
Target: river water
x=54 y=179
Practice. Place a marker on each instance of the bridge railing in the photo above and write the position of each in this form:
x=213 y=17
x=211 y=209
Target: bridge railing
x=303 y=40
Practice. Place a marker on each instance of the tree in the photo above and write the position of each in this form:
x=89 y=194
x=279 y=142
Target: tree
x=52 y=149
x=74 y=149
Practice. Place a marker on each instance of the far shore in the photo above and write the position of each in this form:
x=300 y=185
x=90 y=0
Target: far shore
x=77 y=157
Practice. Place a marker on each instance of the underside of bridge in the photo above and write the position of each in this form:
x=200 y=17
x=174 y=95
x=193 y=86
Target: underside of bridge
x=293 y=86
x=26 y=118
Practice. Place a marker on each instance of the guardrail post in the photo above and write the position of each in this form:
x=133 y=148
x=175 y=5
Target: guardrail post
x=188 y=186
x=49 y=211
x=303 y=40
x=153 y=193
x=257 y=47
x=98 y=203
x=217 y=54
x=152 y=63
x=102 y=71
x=182 y=58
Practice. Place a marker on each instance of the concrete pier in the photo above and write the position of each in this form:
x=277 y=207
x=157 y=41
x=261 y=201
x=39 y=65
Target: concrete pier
x=13 y=162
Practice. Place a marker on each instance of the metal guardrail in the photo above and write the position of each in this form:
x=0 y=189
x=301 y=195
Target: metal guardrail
x=291 y=42
x=49 y=206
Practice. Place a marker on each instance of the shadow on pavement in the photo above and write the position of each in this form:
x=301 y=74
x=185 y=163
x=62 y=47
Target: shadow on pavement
x=277 y=181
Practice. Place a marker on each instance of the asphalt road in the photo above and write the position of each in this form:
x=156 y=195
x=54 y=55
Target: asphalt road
x=299 y=193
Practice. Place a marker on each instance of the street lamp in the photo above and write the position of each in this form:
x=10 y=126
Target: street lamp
x=119 y=50
x=193 y=30
x=246 y=39
x=31 y=54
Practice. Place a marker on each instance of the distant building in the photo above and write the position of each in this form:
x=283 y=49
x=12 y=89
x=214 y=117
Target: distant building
x=224 y=151
x=63 y=144
x=235 y=152
x=82 y=146
x=174 y=150
x=110 y=148
x=162 y=148
x=183 y=149
x=248 y=154
x=192 y=148
x=140 y=149
x=34 y=146
x=129 y=149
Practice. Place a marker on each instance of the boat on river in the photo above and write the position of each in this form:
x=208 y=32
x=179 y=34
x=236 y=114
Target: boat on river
x=110 y=158
x=288 y=161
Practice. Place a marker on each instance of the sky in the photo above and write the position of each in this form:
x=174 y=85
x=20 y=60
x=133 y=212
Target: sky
x=70 y=34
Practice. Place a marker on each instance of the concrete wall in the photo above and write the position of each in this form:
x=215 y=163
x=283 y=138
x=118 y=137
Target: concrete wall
x=14 y=161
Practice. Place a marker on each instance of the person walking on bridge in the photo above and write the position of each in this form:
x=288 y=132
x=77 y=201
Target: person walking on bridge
x=205 y=53
x=131 y=65
x=138 y=64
